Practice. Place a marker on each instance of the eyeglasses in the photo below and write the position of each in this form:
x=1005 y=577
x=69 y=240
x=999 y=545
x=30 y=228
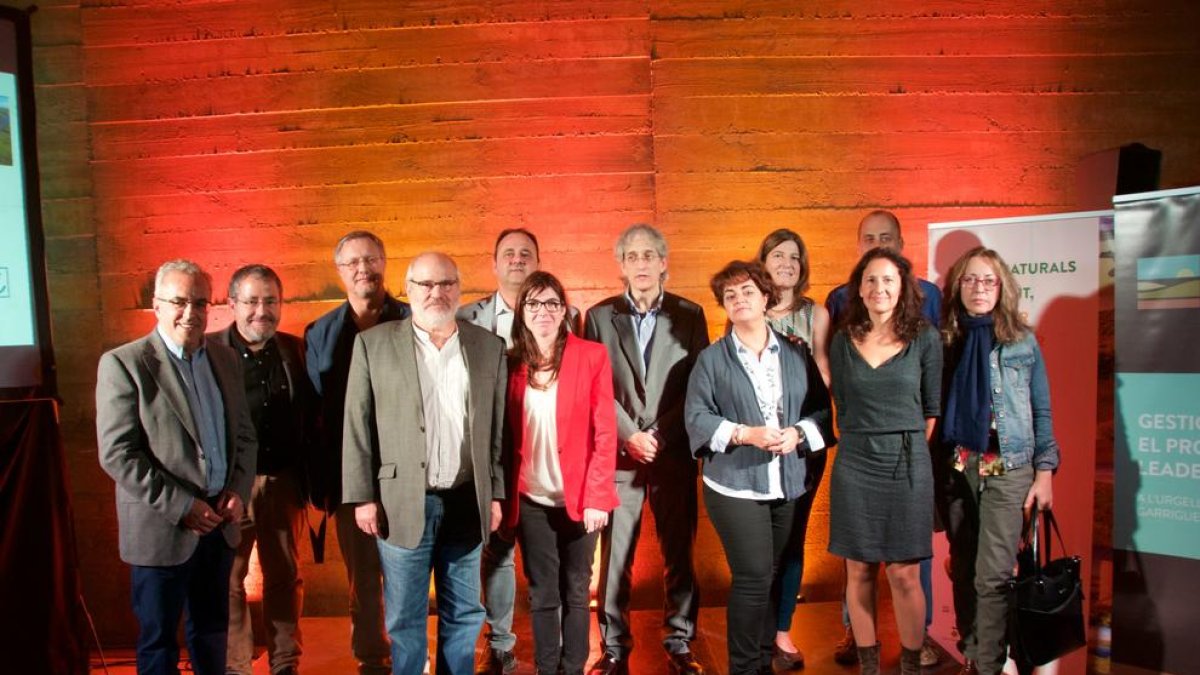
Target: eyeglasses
x=552 y=306
x=632 y=258
x=970 y=281
x=371 y=261
x=428 y=286
x=269 y=303
x=198 y=304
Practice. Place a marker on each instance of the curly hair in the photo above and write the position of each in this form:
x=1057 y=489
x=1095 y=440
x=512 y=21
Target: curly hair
x=1008 y=325
x=524 y=347
x=737 y=272
x=907 y=319
x=770 y=243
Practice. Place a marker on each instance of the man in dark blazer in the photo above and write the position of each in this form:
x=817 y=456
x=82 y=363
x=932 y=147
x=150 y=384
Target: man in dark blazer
x=653 y=339
x=422 y=463
x=514 y=258
x=175 y=434
x=361 y=261
x=280 y=399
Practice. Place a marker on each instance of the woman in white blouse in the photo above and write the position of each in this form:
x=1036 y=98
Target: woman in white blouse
x=563 y=433
x=756 y=405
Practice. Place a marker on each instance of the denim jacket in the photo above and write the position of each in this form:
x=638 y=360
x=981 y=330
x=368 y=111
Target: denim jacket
x=1021 y=404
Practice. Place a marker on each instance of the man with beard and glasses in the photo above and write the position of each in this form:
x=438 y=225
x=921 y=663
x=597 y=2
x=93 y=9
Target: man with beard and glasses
x=422 y=463
x=514 y=258
x=280 y=398
x=361 y=261
x=175 y=435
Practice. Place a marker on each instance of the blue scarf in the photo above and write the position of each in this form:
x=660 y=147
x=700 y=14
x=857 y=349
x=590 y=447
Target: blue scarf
x=969 y=404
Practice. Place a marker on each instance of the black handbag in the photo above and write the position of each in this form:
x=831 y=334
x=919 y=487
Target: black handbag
x=1045 y=619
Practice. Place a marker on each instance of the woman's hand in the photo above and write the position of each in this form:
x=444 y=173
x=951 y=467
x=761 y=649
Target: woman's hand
x=1041 y=492
x=594 y=519
x=789 y=438
x=760 y=437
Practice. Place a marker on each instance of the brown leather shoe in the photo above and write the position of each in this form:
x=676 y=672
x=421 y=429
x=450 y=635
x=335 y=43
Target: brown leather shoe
x=845 y=652
x=684 y=664
x=784 y=660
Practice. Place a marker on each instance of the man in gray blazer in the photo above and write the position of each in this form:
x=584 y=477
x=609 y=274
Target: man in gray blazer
x=175 y=434
x=421 y=463
x=515 y=257
x=653 y=339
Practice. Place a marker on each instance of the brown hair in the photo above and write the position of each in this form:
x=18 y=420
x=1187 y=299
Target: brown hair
x=770 y=243
x=738 y=271
x=524 y=347
x=907 y=319
x=1006 y=317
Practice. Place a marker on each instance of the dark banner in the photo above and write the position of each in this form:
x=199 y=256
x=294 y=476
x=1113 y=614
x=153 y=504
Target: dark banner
x=44 y=630
x=1156 y=501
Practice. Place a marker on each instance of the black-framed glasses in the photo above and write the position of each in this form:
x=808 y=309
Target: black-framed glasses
x=970 y=281
x=552 y=306
x=269 y=303
x=428 y=285
x=371 y=261
x=199 y=304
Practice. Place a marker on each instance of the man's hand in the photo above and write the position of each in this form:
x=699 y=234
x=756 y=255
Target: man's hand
x=642 y=446
x=230 y=507
x=594 y=519
x=497 y=516
x=762 y=437
x=368 y=518
x=201 y=519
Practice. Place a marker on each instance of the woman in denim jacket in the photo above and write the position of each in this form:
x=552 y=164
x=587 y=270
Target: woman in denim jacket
x=998 y=453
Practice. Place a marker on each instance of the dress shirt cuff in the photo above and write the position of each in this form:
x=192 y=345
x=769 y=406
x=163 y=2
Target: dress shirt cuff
x=812 y=435
x=722 y=436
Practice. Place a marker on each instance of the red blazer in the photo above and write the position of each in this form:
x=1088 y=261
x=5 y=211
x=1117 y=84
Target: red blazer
x=586 y=426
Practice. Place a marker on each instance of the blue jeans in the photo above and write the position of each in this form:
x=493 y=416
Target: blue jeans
x=500 y=591
x=160 y=594
x=450 y=550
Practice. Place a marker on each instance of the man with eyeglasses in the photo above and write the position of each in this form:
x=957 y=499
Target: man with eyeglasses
x=514 y=258
x=280 y=398
x=361 y=261
x=176 y=436
x=881 y=229
x=653 y=339
x=422 y=463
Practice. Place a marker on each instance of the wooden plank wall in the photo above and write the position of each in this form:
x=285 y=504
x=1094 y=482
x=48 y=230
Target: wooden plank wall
x=261 y=131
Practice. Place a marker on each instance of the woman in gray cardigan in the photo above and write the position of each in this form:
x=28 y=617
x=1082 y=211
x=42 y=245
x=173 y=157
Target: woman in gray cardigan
x=755 y=405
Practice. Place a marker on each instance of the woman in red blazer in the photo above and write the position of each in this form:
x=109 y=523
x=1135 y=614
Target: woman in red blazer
x=562 y=427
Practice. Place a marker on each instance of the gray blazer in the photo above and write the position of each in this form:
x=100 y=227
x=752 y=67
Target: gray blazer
x=719 y=389
x=149 y=445
x=383 y=441
x=482 y=313
x=653 y=399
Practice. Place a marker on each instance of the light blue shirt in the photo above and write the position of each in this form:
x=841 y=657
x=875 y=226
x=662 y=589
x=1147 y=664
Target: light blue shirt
x=643 y=325
x=208 y=410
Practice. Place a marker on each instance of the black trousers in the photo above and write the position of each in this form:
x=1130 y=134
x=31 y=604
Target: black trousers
x=754 y=535
x=557 y=556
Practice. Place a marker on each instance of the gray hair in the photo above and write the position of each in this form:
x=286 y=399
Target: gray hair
x=358 y=234
x=660 y=243
x=183 y=267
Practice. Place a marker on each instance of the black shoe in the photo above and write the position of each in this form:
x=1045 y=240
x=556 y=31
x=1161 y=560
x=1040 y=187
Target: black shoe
x=496 y=662
x=609 y=665
x=684 y=664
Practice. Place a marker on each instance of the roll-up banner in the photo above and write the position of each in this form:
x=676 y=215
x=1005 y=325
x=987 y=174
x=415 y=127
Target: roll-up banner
x=1056 y=259
x=1156 y=464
